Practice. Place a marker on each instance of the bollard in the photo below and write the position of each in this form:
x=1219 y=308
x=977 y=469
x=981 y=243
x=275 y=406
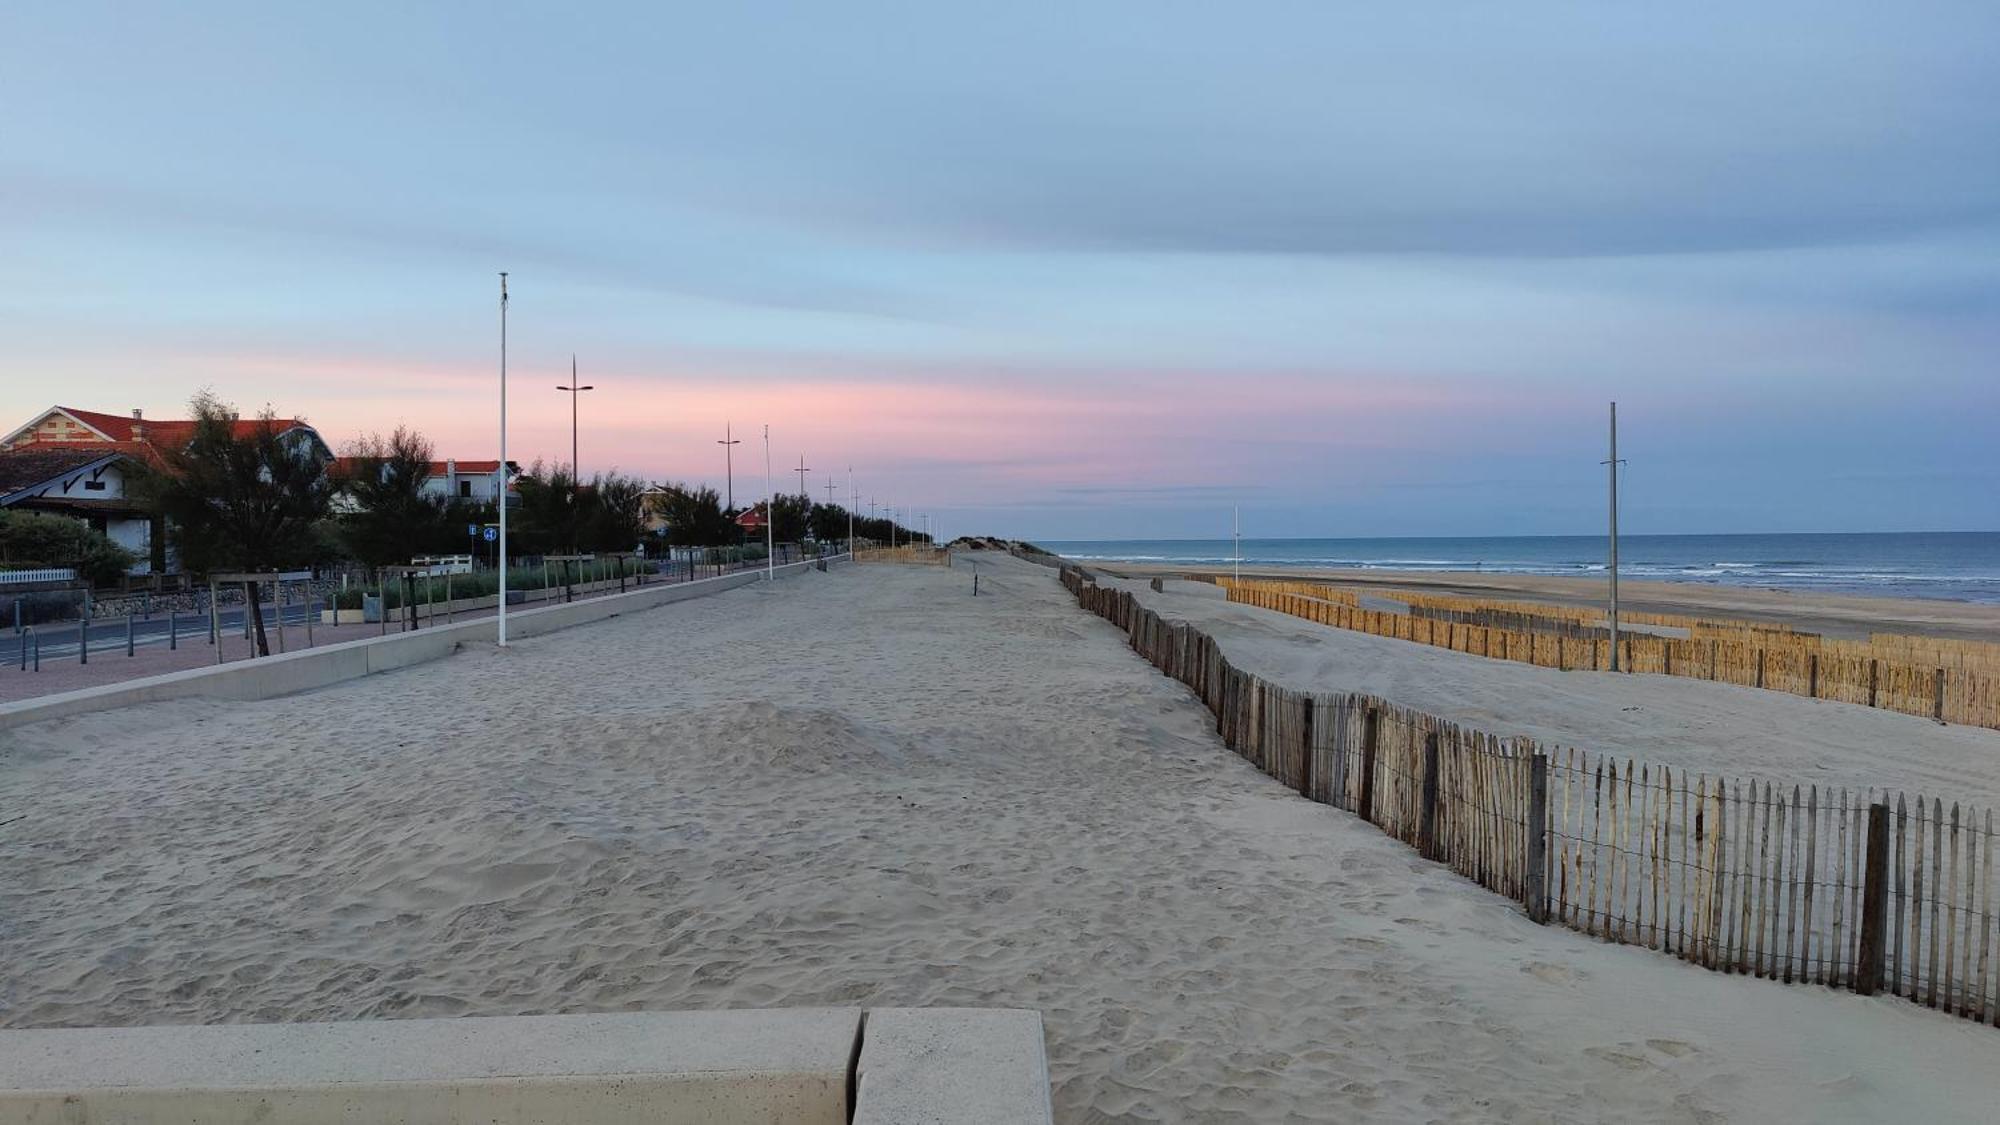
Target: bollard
x=38 y=649
x=128 y=634
x=975 y=585
x=24 y=649
x=83 y=641
x=173 y=630
x=310 y=614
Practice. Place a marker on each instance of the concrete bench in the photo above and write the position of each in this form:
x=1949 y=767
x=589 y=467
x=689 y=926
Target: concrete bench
x=819 y=1066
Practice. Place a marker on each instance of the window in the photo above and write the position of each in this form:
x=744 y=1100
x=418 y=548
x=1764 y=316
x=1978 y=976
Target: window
x=465 y=490
x=93 y=486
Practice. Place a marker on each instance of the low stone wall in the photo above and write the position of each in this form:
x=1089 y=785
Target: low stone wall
x=304 y=670
x=816 y=1066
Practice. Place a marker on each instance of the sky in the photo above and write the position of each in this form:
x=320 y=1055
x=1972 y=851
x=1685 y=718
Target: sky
x=1052 y=270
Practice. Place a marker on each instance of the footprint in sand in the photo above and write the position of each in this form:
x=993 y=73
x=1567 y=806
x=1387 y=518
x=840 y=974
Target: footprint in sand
x=1619 y=1058
x=1554 y=974
x=1673 y=1048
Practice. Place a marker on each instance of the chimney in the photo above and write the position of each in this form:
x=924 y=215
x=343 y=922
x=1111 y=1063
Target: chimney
x=137 y=414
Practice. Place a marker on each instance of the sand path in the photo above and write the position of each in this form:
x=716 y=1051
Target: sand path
x=869 y=788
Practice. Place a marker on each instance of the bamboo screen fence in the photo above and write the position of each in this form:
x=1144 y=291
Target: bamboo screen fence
x=1872 y=891
x=1954 y=682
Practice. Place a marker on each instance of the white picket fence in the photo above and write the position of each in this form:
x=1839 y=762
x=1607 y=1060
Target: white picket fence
x=45 y=574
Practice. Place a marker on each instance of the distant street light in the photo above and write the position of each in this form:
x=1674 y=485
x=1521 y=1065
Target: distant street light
x=802 y=471
x=728 y=468
x=575 y=470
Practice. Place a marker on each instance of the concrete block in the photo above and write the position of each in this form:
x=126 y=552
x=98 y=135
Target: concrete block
x=952 y=1066
x=677 y=1068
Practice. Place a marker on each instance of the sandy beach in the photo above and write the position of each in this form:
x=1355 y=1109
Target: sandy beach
x=1834 y=615
x=867 y=787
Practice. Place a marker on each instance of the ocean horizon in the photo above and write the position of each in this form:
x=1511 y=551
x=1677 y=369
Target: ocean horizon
x=1945 y=565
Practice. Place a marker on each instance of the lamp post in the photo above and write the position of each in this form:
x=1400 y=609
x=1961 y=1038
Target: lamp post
x=503 y=463
x=575 y=471
x=853 y=502
x=728 y=468
x=802 y=471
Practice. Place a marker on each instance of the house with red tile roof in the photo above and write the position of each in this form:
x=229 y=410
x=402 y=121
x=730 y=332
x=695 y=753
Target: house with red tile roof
x=76 y=463
x=71 y=427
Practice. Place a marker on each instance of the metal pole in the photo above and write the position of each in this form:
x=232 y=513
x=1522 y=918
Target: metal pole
x=1237 y=532
x=173 y=630
x=1613 y=463
x=503 y=462
x=853 y=502
x=770 y=513
x=278 y=609
x=729 y=467
x=128 y=634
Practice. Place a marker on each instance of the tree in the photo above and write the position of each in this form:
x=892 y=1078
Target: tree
x=240 y=497
x=788 y=522
x=545 y=519
x=394 y=517
x=693 y=516
x=37 y=539
x=613 y=513
x=828 y=523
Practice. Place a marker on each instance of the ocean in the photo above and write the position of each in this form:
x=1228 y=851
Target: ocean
x=1958 y=566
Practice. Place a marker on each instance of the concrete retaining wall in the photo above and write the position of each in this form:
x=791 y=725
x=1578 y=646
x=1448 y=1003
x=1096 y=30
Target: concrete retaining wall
x=303 y=670
x=899 y=1067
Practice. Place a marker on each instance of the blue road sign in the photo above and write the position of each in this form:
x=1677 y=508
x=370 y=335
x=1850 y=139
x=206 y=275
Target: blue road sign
x=492 y=533
x=472 y=529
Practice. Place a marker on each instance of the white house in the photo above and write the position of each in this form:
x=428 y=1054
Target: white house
x=481 y=482
x=83 y=482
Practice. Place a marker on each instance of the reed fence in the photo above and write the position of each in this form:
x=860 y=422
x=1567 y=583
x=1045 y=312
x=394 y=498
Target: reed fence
x=1872 y=892
x=914 y=555
x=1798 y=663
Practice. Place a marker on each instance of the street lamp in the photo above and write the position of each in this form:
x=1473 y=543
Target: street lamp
x=575 y=471
x=728 y=468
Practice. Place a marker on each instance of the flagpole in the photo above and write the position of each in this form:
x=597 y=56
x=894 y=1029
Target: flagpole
x=503 y=460
x=770 y=513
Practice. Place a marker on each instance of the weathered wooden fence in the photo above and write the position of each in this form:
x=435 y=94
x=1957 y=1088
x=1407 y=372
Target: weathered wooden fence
x=1867 y=891
x=1963 y=691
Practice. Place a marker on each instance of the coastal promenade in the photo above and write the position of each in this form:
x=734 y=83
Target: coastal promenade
x=871 y=788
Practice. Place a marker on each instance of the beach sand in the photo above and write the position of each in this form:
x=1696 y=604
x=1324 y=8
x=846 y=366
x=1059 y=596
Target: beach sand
x=1833 y=615
x=869 y=788
x=1719 y=729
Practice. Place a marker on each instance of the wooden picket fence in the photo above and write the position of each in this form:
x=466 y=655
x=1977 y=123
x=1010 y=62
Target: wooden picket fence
x=1867 y=891
x=1964 y=691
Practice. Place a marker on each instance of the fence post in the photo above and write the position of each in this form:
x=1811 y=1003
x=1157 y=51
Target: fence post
x=1874 y=670
x=1760 y=667
x=1306 y=751
x=1536 y=877
x=1937 y=695
x=1812 y=676
x=1427 y=824
x=1874 y=902
x=1369 y=731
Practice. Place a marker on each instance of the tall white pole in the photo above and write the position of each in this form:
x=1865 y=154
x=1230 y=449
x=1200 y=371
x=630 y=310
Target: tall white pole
x=503 y=460
x=1238 y=534
x=853 y=502
x=1614 y=537
x=770 y=513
